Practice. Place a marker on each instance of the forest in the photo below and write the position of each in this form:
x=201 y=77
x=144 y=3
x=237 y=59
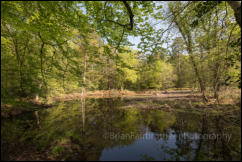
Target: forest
x=120 y=67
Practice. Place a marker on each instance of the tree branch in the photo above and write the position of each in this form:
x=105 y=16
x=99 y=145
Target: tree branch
x=131 y=15
x=236 y=6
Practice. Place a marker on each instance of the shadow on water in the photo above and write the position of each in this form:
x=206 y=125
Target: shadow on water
x=97 y=129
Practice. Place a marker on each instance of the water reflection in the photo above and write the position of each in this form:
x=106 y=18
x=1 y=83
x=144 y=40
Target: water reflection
x=96 y=129
x=83 y=114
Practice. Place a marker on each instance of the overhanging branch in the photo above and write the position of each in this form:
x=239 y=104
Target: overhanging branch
x=131 y=15
x=131 y=18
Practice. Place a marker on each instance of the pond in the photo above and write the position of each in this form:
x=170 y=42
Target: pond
x=99 y=129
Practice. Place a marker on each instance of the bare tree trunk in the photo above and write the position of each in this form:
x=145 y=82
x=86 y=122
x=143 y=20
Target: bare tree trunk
x=36 y=113
x=84 y=72
x=37 y=95
x=84 y=76
x=63 y=78
x=179 y=70
x=83 y=86
x=43 y=81
x=236 y=6
x=179 y=84
x=216 y=88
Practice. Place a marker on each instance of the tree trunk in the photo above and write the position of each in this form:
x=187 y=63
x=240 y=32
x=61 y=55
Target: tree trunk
x=179 y=72
x=216 y=90
x=201 y=83
x=84 y=74
x=236 y=6
x=37 y=95
x=43 y=81
x=36 y=113
x=202 y=87
x=19 y=66
x=186 y=34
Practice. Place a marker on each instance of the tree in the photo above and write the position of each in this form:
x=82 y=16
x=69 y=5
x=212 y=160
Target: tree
x=236 y=6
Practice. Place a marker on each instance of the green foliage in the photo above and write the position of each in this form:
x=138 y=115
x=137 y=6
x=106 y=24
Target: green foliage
x=57 y=150
x=157 y=75
x=207 y=43
x=127 y=69
x=48 y=48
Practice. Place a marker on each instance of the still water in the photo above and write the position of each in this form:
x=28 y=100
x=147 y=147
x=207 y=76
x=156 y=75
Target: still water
x=99 y=129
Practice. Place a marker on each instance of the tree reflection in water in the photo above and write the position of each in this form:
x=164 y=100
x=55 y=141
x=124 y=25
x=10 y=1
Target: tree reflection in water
x=102 y=131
